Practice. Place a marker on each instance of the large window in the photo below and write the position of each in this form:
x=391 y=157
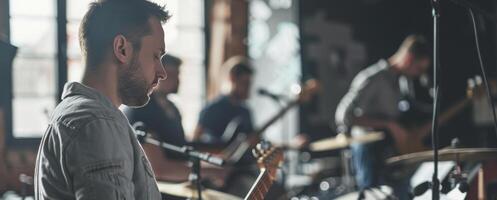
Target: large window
x=33 y=30
x=273 y=41
x=185 y=38
x=33 y=26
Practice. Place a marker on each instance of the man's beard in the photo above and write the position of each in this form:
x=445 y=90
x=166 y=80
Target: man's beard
x=133 y=88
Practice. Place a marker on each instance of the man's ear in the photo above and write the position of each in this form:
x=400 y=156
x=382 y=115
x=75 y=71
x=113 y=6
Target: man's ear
x=232 y=78
x=122 y=49
x=409 y=58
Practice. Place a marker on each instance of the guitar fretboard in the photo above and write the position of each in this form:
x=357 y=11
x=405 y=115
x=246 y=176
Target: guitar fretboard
x=260 y=187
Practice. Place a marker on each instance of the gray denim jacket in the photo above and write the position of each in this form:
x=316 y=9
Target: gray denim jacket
x=89 y=151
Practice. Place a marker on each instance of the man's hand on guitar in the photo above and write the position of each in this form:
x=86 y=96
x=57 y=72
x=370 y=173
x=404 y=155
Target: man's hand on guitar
x=398 y=132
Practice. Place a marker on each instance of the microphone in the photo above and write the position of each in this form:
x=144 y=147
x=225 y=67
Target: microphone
x=139 y=126
x=142 y=137
x=264 y=92
x=140 y=131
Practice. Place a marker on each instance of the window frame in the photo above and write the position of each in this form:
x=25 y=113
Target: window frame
x=61 y=75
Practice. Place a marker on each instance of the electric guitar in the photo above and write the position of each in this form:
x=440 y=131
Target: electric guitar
x=413 y=142
x=268 y=159
x=242 y=142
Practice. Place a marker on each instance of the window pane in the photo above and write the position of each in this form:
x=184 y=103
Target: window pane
x=34 y=77
x=188 y=42
x=191 y=92
x=75 y=70
x=184 y=37
x=76 y=9
x=73 y=49
x=35 y=37
x=34 y=8
x=33 y=30
x=31 y=115
x=75 y=67
x=190 y=13
x=34 y=95
x=274 y=48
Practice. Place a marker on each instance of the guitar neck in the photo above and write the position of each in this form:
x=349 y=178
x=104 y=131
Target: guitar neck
x=275 y=118
x=456 y=108
x=260 y=187
x=445 y=116
x=451 y=112
x=237 y=148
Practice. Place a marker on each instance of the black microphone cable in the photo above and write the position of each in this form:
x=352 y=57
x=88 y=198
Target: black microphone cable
x=485 y=81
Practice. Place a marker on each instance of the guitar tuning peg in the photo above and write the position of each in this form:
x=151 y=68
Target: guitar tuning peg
x=471 y=83
x=258 y=147
x=265 y=145
x=478 y=80
x=255 y=152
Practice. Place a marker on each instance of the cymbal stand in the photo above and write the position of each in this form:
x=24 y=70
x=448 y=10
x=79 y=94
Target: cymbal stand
x=434 y=128
x=194 y=156
x=194 y=176
x=436 y=15
x=347 y=178
x=459 y=179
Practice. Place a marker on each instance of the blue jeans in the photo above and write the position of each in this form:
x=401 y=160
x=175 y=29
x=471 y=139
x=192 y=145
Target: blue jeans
x=365 y=163
x=367 y=160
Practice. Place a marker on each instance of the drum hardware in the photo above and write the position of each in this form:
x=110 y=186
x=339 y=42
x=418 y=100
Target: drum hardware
x=188 y=190
x=342 y=141
x=457 y=155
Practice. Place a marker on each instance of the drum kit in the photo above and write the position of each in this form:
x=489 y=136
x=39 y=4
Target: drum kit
x=343 y=143
x=268 y=158
x=187 y=190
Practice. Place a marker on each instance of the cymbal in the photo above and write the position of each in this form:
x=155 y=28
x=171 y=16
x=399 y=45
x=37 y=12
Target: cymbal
x=342 y=141
x=188 y=191
x=380 y=192
x=463 y=154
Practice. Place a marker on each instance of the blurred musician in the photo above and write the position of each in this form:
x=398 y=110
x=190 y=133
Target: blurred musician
x=160 y=115
x=162 y=120
x=228 y=108
x=372 y=103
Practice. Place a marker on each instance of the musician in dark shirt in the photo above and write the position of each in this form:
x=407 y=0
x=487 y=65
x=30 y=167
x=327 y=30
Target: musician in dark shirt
x=228 y=115
x=161 y=116
x=162 y=120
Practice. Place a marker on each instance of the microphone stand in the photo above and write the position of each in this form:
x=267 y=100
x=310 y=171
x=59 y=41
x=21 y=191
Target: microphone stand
x=194 y=156
x=436 y=62
x=434 y=128
x=194 y=176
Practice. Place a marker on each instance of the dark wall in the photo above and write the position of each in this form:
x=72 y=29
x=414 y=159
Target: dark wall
x=367 y=30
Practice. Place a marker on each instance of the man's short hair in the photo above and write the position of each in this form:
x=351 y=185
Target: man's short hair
x=239 y=66
x=170 y=61
x=417 y=45
x=105 y=19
